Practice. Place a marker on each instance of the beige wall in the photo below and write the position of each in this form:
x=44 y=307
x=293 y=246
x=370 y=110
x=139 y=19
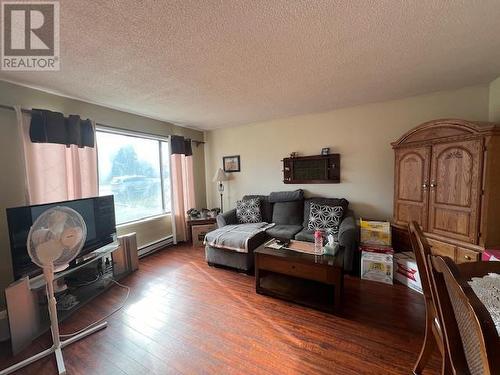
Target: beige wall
x=149 y=230
x=362 y=135
x=494 y=104
x=11 y=188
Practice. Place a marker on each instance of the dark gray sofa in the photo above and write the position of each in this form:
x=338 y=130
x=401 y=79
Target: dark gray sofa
x=290 y=213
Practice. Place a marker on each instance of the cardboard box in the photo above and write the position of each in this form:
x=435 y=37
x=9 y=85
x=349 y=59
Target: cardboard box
x=377 y=266
x=491 y=255
x=375 y=232
x=198 y=233
x=406 y=270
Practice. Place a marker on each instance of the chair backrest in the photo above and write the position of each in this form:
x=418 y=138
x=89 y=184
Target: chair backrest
x=422 y=250
x=473 y=326
x=448 y=321
x=444 y=324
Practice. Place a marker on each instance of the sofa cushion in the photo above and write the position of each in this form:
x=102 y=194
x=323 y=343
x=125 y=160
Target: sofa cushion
x=305 y=235
x=248 y=211
x=284 y=231
x=327 y=218
x=266 y=207
x=322 y=201
x=286 y=196
x=288 y=213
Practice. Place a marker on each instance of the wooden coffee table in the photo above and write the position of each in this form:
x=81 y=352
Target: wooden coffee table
x=312 y=280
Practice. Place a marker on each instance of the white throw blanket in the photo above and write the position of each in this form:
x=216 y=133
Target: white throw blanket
x=235 y=237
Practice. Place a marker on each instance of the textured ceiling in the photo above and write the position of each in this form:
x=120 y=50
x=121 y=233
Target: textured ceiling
x=217 y=63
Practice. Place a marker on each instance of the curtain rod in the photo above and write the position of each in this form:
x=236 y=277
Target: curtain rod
x=9 y=107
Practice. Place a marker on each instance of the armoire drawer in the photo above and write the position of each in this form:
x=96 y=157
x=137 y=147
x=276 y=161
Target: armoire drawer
x=466 y=255
x=442 y=249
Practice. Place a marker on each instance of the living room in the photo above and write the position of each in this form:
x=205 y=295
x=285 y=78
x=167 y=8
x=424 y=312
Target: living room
x=222 y=132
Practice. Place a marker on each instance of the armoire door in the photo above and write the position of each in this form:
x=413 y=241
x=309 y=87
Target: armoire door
x=411 y=185
x=455 y=189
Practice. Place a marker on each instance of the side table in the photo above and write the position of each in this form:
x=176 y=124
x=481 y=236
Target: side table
x=192 y=222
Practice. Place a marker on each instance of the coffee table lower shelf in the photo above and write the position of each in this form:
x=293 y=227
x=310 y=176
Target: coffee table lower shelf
x=315 y=281
x=303 y=292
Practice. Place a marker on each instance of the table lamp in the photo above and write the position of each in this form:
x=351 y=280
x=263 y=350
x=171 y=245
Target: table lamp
x=220 y=177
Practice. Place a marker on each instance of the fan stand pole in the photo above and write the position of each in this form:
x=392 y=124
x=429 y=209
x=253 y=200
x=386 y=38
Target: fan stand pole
x=54 y=324
x=54 y=327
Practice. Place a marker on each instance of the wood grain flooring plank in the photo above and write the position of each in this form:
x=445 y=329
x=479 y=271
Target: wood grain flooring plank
x=183 y=317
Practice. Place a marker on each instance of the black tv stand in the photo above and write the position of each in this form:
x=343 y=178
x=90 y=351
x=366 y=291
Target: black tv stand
x=27 y=302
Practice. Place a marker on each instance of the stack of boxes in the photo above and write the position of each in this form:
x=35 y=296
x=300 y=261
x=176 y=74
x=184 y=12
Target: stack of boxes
x=378 y=260
x=377 y=254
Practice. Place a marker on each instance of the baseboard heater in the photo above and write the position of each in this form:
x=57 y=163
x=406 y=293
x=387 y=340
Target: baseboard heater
x=155 y=246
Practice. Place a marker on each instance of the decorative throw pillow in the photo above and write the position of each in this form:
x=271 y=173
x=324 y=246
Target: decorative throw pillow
x=325 y=218
x=248 y=211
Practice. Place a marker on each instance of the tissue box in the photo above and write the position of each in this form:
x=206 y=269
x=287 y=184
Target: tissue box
x=406 y=270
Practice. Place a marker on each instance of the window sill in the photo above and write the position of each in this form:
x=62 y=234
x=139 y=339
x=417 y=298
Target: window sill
x=143 y=220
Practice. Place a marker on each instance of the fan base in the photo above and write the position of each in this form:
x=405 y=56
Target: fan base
x=56 y=350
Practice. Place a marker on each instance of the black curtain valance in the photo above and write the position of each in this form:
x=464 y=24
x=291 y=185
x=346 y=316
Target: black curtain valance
x=181 y=145
x=52 y=127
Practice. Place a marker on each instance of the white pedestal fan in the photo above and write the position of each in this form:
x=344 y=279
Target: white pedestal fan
x=54 y=240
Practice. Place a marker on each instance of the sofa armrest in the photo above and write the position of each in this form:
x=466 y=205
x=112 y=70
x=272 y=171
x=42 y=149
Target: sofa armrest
x=227 y=218
x=348 y=238
x=348 y=229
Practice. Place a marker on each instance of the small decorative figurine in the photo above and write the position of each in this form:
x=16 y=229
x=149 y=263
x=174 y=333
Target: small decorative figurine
x=213 y=212
x=193 y=213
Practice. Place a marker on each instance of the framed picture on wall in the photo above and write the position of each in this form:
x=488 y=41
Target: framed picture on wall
x=231 y=163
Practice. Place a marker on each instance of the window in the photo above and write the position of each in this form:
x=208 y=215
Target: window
x=136 y=170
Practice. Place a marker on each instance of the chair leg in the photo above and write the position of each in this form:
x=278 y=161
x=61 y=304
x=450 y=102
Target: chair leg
x=427 y=349
x=446 y=368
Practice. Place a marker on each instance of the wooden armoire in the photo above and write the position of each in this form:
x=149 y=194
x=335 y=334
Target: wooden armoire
x=447 y=178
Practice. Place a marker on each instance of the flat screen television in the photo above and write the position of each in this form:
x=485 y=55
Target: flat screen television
x=99 y=216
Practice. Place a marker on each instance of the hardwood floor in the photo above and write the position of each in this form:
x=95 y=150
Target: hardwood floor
x=183 y=317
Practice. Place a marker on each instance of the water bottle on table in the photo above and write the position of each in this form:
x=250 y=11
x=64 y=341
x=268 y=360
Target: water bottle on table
x=318 y=242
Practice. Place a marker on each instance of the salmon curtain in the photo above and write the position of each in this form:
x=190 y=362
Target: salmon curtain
x=55 y=172
x=181 y=165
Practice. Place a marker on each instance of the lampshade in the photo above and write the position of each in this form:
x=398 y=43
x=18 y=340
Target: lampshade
x=220 y=176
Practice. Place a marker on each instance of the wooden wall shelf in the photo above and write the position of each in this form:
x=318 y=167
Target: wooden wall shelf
x=317 y=169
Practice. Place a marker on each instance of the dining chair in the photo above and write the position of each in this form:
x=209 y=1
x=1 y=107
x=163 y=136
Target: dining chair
x=474 y=328
x=434 y=335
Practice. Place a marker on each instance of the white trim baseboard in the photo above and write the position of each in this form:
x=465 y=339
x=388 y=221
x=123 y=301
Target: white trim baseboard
x=155 y=246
